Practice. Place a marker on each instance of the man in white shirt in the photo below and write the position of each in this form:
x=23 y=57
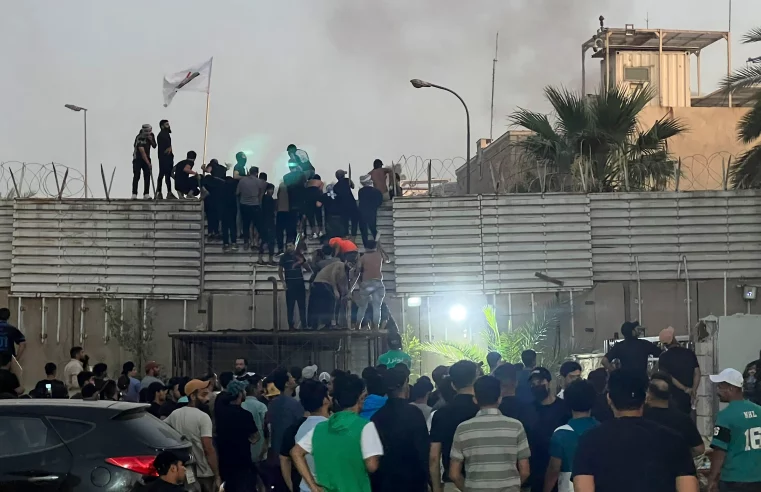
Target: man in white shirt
x=333 y=443
x=73 y=368
x=195 y=425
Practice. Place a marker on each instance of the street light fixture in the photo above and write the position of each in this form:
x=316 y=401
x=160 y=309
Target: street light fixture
x=76 y=108
x=419 y=84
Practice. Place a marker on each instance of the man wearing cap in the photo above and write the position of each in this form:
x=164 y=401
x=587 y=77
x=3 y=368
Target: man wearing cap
x=195 y=424
x=236 y=432
x=370 y=200
x=632 y=352
x=736 y=457
x=152 y=371
x=175 y=388
x=171 y=470
x=156 y=396
x=141 y=160
x=395 y=354
x=682 y=365
x=403 y=431
x=551 y=413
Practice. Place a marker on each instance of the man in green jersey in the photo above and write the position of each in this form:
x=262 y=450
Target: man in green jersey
x=395 y=355
x=736 y=458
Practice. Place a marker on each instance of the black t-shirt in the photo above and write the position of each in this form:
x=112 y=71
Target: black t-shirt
x=268 y=210
x=601 y=409
x=10 y=336
x=369 y=200
x=680 y=363
x=677 y=421
x=632 y=454
x=548 y=418
x=406 y=447
x=8 y=382
x=142 y=141
x=294 y=182
x=163 y=142
x=155 y=409
x=168 y=407
x=234 y=426
x=633 y=354
x=525 y=413
x=180 y=176
x=289 y=438
x=342 y=189
x=159 y=485
x=291 y=271
x=330 y=204
x=445 y=422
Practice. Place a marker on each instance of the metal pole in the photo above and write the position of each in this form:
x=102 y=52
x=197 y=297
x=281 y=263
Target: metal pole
x=429 y=177
x=206 y=126
x=660 y=66
x=729 y=62
x=583 y=72
x=86 y=192
x=700 y=91
x=493 y=76
x=467 y=122
x=689 y=310
x=639 y=291
x=607 y=61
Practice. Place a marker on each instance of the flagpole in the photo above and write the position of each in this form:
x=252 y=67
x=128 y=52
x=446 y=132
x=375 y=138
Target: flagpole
x=206 y=127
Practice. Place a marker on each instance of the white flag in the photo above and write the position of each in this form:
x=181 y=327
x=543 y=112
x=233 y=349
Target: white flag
x=196 y=79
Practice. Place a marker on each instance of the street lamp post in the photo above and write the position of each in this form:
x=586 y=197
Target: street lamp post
x=419 y=84
x=78 y=109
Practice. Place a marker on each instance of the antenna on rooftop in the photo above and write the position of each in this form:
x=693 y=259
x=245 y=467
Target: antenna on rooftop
x=493 y=76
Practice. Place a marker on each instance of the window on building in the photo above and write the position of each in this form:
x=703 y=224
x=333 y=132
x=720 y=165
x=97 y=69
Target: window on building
x=637 y=74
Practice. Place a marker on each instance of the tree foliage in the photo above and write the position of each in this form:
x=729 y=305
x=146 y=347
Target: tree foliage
x=598 y=142
x=133 y=330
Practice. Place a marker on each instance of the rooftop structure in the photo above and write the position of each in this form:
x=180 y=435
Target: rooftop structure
x=659 y=58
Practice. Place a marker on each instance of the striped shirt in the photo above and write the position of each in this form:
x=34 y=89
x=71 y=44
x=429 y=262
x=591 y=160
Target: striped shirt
x=491 y=444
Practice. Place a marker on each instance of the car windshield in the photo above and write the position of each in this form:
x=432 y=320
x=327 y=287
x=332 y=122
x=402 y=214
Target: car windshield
x=150 y=430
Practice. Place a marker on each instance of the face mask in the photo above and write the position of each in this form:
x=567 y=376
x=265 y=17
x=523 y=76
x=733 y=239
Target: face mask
x=539 y=392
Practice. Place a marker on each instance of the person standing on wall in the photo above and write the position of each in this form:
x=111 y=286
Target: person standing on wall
x=632 y=352
x=141 y=161
x=267 y=223
x=166 y=159
x=380 y=176
x=250 y=191
x=371 y=289
x=346 y=202
x=283 y=218
x=370 y=200
x=290 y=271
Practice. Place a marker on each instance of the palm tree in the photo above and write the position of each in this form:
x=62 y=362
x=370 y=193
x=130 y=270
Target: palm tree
x=598 y=141
x=745 y=172
x=533 y=334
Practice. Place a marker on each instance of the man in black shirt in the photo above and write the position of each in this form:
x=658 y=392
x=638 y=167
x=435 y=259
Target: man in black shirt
x=370 y=199
x=266 y=226
x=236 y=431
x=658 y=410
x=228 y=211
x=682 y=365
x=9 y=383
x=156 y=396
x=295 y=183
x=631 y=352
x=292 y=276
x=347 y=204
x=551 y=413
x=166 y=159
x=601 y=409
x=444 y=423
x=141 y=160
x=185 y=179
x=171 y=470
x=404 y=433
x=10 y=336
x=511 y=406
x=631 y=453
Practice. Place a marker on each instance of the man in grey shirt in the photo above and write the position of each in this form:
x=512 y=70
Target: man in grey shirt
x=250 y=192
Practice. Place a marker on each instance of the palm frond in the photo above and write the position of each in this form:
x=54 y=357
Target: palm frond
x=536 y=122
x=752 y=36
x=745 y=172
x=615 y=111
x=749 y=126
x=747 y=76
x=571 y=110
x=455 y=351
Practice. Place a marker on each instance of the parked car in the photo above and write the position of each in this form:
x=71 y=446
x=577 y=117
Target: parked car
x=49 y=445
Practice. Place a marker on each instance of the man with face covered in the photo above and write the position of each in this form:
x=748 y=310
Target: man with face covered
x=195 y=424
x=551 y=413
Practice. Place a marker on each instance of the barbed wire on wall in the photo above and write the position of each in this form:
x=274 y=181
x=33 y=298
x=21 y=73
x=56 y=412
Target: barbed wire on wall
x=414 y=173
x=35 y=180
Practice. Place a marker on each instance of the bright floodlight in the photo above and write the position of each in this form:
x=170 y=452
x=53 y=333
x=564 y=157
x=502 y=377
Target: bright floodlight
x=457 y=312
x=74 y=107
x=417 y=83
x=413 y=301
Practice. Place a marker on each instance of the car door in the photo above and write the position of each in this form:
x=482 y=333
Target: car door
x=32 y=456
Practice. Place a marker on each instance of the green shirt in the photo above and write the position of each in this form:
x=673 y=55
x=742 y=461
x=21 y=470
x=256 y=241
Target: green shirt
x=738 y=432
x=394 y=357
x=337 y=450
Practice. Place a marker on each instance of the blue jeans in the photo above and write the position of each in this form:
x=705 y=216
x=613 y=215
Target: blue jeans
x=371 y=292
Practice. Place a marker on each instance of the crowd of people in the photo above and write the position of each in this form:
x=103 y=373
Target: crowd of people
x=509 y=425
x=245 y=206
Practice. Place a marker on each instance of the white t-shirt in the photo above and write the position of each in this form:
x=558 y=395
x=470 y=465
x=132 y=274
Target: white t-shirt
x=193 y=424
x=370 y=441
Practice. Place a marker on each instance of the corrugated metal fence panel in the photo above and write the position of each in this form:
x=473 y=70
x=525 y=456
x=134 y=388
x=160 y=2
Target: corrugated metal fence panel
x=237 y=272
x=715 y=231
x=6 y=242
x=526 y=234
x=78 y=248
x=437 y=244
